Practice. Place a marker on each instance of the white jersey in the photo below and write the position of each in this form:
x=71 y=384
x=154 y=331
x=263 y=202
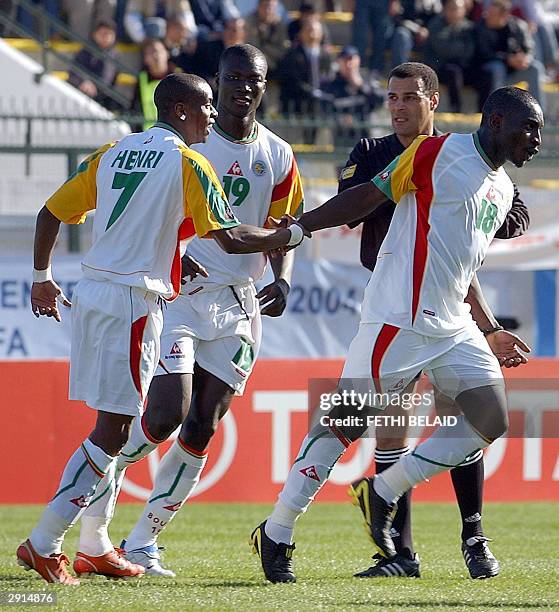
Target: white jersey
x=149 y=191
x=260 y=178
x=451 y=201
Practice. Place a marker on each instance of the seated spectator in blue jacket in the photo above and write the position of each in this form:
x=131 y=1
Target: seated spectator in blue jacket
x=505 y=52
x=450 y=49
x=350 y=97
x=104 y=68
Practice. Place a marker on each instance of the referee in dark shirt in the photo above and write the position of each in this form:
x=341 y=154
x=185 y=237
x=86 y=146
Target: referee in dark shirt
x=413 y=97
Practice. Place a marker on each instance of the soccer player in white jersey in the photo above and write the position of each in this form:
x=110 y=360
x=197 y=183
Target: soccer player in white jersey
x=149 y=190
x=211 y=333
x=452 y=195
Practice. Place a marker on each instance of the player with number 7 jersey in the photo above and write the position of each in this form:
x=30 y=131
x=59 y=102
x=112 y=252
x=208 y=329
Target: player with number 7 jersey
x=149 y=191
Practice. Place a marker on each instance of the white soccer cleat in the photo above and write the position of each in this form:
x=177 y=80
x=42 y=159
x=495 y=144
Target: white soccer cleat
x=149 y=558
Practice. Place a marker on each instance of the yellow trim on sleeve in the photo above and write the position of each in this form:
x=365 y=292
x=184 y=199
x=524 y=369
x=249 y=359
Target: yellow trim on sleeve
x=401 y=176
x=78 y=195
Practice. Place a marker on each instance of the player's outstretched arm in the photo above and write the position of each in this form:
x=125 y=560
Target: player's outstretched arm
x=505 y=346
x=44 y=293
x=250 y=239
x=350 y=205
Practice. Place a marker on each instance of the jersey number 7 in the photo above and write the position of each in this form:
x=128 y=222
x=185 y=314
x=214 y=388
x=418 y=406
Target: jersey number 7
x=129 y=182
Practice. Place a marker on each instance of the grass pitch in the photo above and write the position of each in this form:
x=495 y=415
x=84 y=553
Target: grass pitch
x=207 y=546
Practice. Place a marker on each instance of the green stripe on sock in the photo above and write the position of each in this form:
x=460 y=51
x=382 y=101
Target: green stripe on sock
x=100 y=496
x=173 y=486
x=434 y=462
x=73 y=483
x=140 y=449
x=324 y=433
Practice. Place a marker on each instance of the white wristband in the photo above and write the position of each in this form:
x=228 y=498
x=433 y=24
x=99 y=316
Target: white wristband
x=297 y=234
x=42 y=276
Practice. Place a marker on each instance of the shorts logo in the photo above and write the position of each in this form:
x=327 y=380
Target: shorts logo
x=431 y=313
x=397 y=387
x=175 y=352
x=259 y=167
x=235 y=169
x=310 y=472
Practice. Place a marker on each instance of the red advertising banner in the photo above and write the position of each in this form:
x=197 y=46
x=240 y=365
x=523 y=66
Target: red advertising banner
x=251 y=455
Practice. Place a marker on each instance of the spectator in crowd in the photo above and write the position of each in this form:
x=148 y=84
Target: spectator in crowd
x=351 y=97
x=267 y=32
x=155 y=66
x=504 y=50
x=211 y=15
x=103 y=37
x=307 y=12
x=82 y=15
x=410 y=27
x=180 y=40
x=206 y=61
x=27 y=19
x=450 y=49
x=376 y=16
x=303 y=71
x=248 y=7
x=146 y=18
x=540 y=25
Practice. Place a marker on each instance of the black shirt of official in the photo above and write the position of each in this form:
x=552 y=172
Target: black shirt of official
x=371 y=156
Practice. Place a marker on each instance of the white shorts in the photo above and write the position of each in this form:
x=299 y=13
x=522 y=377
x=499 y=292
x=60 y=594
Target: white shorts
x=384 y=359
x=115 y=345
x=217 y=327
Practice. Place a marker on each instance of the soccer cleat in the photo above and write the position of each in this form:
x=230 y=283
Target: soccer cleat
x=479 y=559
x=111 y=565
x=149 y=558
x=378 y=515
x=398 y=566
x=52 y=569
x=276 y=559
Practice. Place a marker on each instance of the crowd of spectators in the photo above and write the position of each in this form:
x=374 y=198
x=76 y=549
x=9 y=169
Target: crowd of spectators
x=481 y=43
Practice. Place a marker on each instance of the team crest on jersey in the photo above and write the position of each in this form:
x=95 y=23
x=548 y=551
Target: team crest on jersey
x=235 y=169
x=259 y=167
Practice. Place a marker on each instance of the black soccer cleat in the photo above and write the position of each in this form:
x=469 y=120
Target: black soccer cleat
x=275 y=558
x=378 y=515
x=479 y=559
x=398 y=566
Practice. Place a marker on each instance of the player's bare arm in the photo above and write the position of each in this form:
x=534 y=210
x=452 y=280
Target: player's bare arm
x=273 y=297
x=250 y=239
x=350 y=205
x=505 y=345
x=44 y=294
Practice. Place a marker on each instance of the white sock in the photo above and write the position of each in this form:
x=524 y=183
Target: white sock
x=319 y=452
x=177 y=475
x=448 y=447
x=279 y=526
x=83 y=472
x=139 y=445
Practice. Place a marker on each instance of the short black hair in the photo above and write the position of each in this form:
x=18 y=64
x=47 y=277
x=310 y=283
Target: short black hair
x=507 y=101
x=417 y=70
x=105 y=23
x=178 y=87
x=249 y=52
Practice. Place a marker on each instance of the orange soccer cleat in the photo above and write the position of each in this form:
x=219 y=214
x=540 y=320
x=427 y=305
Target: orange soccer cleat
x=52 y=569
x=111 y=564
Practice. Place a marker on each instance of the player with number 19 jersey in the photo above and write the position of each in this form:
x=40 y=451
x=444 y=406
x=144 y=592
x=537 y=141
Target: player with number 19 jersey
x=260 y=178
x=215 y=322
